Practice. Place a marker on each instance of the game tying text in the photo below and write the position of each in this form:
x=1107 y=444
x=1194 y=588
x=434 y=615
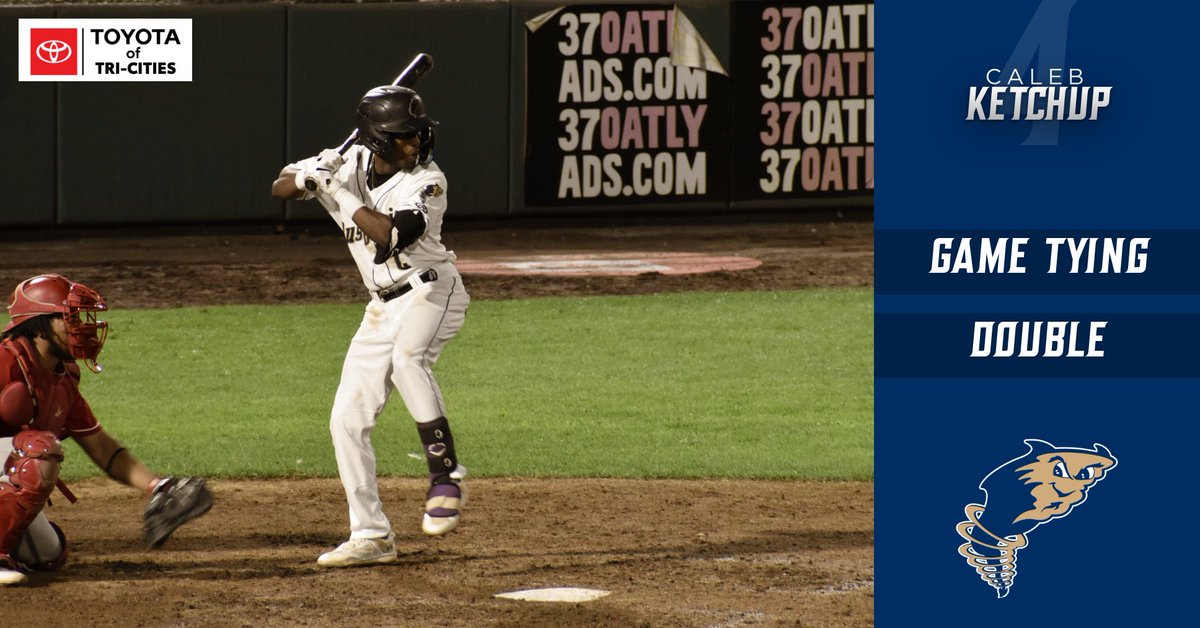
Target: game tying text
x=1090 y=255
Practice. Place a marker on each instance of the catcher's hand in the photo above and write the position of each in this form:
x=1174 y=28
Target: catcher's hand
x=174 y=502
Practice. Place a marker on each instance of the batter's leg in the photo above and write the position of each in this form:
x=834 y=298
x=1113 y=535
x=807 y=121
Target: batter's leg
x=428 y=319
x=432 y=318
x=361 y=396
x=447 y=492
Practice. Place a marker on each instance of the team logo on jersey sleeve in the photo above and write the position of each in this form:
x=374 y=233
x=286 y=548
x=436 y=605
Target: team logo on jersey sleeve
x=1044 y=484
x=434 y=191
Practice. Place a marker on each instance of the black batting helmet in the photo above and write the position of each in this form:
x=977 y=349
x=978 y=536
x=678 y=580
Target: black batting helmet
x=389 y=111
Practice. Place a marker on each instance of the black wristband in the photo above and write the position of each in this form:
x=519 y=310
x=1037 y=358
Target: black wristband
x=111 y=460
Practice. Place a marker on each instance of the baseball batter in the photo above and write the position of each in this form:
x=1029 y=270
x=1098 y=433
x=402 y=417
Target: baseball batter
x=53 y=325
x=389 y=197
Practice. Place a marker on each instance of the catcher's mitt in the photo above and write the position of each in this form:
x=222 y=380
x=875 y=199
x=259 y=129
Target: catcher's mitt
x=174 y=502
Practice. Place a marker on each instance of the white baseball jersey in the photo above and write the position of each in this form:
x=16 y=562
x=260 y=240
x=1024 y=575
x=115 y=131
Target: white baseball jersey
x=423 y=188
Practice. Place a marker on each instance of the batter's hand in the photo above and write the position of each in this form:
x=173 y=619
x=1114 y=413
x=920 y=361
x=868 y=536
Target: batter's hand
x=330 y=160
x=320 y=180
x=306 y=179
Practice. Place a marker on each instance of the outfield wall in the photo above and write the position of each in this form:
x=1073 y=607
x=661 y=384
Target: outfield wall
x=545 y=109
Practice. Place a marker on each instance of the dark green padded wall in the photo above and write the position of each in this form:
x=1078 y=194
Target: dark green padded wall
x=27 y=129
x=338 y=52
x=204 y=151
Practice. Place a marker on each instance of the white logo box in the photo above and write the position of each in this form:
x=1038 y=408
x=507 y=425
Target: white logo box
x=109 y=50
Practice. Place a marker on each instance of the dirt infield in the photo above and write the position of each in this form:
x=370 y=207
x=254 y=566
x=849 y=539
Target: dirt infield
x=672 y=552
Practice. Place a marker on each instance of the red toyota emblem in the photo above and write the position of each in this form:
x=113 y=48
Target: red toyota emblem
x=53 y=51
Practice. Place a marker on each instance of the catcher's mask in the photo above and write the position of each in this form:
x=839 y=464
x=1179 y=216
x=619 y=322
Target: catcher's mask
x=390 y=111
x=78 y=305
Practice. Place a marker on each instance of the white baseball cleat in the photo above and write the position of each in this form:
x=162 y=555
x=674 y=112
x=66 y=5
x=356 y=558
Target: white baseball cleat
x=444 y=503
x=10 y=576
x=361 y=552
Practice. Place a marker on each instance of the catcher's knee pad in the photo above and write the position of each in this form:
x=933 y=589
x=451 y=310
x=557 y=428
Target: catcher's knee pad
x=43 y=546
x=34 y=463
x=37 y=444
x=32 y=470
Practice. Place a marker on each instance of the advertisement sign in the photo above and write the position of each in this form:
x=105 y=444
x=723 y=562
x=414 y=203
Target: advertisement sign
x=804 y=110
x=127 y=49
x=625 y=105
x=1037 y=307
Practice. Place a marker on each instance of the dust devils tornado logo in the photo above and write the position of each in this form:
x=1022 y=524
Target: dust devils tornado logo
x=1045 y=483
x=53 y=51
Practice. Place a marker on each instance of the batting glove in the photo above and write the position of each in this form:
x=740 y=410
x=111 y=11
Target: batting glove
x=318 y=179
x=301 y=181
x=330 y=160
x=346 y=200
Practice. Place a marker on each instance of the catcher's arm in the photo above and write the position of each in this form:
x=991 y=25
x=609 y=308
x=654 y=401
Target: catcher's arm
x=173 y=501
x=117 y=462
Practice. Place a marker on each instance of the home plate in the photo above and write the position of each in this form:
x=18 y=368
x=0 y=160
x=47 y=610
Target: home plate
x=556 y=594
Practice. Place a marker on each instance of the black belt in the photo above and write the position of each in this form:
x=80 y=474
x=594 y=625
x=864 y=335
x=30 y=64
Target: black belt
x=402 y=289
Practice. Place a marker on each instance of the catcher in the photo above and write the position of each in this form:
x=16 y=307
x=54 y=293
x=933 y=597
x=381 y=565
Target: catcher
x=54 y=324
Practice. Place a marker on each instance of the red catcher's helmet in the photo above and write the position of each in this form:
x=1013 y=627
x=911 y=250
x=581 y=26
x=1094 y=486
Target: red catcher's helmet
x=78 y=304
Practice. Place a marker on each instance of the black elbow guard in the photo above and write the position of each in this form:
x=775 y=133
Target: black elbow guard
x=407 y=226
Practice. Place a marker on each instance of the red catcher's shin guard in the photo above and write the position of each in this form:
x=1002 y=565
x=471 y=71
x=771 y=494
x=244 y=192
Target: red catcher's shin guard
x=32 y=470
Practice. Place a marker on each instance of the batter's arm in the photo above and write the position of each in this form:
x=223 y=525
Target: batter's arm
x=375 y=225
x=120 y=464
x=285 y=186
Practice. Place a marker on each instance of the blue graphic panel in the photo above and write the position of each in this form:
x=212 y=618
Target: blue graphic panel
x=1030 y=173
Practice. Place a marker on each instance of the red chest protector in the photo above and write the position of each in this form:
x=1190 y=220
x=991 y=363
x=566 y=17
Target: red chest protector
x=32 y=397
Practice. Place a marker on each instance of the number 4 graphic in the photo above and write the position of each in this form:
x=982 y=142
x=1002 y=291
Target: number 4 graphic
x=1045 y=37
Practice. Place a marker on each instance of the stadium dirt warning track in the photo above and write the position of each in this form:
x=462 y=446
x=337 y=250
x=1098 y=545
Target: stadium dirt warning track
x=672 y=552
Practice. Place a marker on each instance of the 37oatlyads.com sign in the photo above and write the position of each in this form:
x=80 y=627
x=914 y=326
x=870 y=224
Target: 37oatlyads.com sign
x=620 y=109
x=127 y=49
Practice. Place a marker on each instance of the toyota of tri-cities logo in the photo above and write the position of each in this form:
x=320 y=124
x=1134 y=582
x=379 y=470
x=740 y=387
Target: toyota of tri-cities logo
x=53 y=51
x=127 y=49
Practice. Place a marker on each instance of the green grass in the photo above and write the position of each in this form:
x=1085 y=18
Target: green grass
x=754 y=384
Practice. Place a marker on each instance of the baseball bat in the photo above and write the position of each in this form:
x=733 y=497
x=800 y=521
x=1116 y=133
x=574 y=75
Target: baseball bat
x=417 y=68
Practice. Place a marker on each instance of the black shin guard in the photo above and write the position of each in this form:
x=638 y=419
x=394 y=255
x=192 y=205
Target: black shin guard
x=439 y=449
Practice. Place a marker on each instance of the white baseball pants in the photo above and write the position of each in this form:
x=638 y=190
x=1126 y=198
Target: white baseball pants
x=395 y=347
